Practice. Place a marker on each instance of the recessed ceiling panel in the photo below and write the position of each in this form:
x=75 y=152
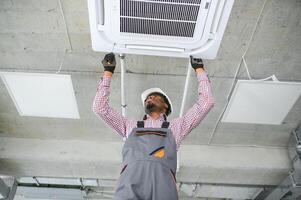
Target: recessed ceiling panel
x=261 y=102
x=42 y=95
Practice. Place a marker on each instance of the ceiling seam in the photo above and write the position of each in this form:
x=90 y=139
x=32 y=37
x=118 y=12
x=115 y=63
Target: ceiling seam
x=136 y=73
x=65 y=24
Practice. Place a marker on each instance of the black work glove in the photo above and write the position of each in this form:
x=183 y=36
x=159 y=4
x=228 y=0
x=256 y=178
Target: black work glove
x=109 y=62
x=196 y=63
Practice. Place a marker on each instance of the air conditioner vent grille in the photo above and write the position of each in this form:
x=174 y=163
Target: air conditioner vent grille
x=156 y=27
x=179 y=1
x=159 y=17
x=159 y=11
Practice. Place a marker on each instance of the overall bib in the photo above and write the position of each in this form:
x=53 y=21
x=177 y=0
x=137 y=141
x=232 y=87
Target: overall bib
x=149 y=165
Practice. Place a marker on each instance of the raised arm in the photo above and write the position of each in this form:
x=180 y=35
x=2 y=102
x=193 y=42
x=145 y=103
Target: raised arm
x=182 y=126
x=102 y=108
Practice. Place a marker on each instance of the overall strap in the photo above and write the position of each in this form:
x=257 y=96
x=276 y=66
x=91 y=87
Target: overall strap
x=140 y=124
x=165 y=124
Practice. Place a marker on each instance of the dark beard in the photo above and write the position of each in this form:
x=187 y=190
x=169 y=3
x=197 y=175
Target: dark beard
x=151 y=107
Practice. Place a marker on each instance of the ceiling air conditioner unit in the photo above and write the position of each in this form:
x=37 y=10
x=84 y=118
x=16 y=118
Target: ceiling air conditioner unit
x=176 y=28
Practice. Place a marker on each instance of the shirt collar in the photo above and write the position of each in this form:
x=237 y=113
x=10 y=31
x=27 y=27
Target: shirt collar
x=161 y=118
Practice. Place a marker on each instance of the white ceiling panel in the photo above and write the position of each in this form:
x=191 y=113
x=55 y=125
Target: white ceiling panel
x=42 y=95
x=261 y=102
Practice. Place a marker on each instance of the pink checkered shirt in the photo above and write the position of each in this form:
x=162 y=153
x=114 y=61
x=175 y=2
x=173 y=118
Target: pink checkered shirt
x=180 y=126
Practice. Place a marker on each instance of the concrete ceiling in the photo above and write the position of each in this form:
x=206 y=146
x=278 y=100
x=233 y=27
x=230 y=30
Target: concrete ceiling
x=33 y=38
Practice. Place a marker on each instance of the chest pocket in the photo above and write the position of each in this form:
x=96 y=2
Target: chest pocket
x=151 y=140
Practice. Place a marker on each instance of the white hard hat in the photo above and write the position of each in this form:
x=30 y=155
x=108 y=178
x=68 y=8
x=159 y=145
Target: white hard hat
x=147 y=92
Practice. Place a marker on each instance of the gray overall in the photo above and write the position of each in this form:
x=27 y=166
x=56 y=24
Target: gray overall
x=149 y=165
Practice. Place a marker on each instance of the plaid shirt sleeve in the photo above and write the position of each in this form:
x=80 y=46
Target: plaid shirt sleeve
x=182 y=126
x=108 y=114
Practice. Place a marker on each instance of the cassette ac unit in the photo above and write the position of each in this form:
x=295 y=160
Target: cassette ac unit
x=176 y=28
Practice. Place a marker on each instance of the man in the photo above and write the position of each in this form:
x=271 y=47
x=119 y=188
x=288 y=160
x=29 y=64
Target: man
x=150 y=149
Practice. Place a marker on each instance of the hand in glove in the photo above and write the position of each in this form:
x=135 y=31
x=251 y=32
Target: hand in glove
x=109 y=62
x=196 y=63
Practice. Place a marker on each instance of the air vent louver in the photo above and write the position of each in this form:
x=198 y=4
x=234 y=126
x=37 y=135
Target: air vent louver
x=166 y=18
